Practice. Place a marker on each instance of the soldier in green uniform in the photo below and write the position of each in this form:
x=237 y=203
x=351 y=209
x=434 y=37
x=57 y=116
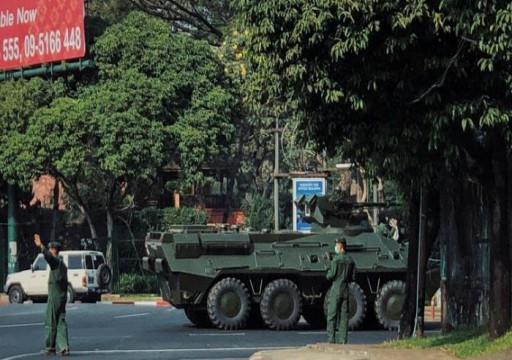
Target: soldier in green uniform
x=56 y=330
x=341 y=272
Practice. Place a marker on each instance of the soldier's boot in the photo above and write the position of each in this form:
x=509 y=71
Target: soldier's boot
x=48 y=352
x=64 y=352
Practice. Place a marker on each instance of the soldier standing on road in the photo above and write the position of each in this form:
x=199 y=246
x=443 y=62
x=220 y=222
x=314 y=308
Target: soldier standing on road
x=341 y=272
x=56 y=330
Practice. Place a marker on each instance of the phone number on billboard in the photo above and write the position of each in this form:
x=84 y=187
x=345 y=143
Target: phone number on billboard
x=45 y=43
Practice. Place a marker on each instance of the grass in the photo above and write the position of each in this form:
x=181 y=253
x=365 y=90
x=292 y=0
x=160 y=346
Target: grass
x=461 y=343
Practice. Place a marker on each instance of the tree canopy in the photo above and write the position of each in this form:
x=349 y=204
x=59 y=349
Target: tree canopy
x=157 y=98
x=203 y=19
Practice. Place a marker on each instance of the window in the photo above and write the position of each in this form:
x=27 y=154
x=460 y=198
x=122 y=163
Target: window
x=98 y=260
x=74 y=262
x=88 y=262
x=40 y=264
x=92 y=262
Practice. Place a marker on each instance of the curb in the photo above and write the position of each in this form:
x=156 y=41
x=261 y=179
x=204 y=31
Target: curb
x=138 y=303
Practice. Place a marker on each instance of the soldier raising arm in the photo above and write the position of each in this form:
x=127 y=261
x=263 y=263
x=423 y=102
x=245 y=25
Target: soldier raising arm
x=56 y=330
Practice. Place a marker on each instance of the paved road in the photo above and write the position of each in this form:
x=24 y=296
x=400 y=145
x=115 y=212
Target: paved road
x=108 y=332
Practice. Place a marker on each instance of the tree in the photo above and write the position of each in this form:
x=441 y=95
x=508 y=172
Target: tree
x=159 y=97
x=198 y=101
x=203 y=19
x=416 y=91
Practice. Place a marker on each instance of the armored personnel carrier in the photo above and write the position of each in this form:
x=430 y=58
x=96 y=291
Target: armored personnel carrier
x=233 y=279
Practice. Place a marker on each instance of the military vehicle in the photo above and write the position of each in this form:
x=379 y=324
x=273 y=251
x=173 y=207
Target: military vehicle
x=232 y=279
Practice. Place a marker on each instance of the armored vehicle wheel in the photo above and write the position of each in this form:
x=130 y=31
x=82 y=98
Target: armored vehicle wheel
x=228 y=304
x=198 y=317
x=357 y=305
x=281 y=305
x=314 y=315
x=389 y=304
x=16 y=295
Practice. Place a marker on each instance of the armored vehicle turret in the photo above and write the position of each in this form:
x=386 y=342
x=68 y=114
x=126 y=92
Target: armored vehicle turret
x=232 y=279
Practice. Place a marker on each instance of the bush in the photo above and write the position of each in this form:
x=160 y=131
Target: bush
x=138 y=284
x=259 y=212
x=162 y=219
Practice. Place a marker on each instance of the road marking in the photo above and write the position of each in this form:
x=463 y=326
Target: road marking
x=217 y=334
x=25 y=313
x=20 y=325
x=130 y=315
x=103 y=337
x=148 y=351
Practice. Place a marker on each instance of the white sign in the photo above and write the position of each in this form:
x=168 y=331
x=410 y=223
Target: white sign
x=308 y=187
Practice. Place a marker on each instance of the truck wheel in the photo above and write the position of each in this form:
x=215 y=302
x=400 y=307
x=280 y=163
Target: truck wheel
x=281 y=305
x=315 y=316
x=198 y=317
x=104 y=275
x=389 y=304
x=356 y=305
x=228 y=304
x=16 y=295
x=70 y=295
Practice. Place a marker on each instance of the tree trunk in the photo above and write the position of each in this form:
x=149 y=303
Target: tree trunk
x=447 y=230
x=409 y=311
x=500 y=245
x=110 y=227
x=92 y=228
x=72 y=190
x=463 y=253
x=423 y=248
x=420 y=243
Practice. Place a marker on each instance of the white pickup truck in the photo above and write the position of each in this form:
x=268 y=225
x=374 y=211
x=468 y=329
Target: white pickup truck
x=88 y=276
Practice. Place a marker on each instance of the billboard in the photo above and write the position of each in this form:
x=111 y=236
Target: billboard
x=305 y=186
x=40 y=31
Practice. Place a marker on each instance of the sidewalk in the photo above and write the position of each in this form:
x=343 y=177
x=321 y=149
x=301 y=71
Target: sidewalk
x=116 y=299
x=326 y=351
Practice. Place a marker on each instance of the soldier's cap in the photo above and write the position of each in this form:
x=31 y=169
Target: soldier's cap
x=342 y=241
x=55 y=245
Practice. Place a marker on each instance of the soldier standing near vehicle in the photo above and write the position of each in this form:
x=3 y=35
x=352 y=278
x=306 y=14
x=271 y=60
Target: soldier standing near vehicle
x=341 y=272
x=56 y=330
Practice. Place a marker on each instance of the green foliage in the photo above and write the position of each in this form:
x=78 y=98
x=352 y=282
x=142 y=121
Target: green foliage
x=158 y=98
x=462 y=343
x=173 y=79
x=19 y=101
x=163 y=219
x=367 y=81
x=259 y=213
x=133 y=283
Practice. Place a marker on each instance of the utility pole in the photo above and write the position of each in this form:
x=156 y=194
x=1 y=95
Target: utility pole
x=276 y=176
